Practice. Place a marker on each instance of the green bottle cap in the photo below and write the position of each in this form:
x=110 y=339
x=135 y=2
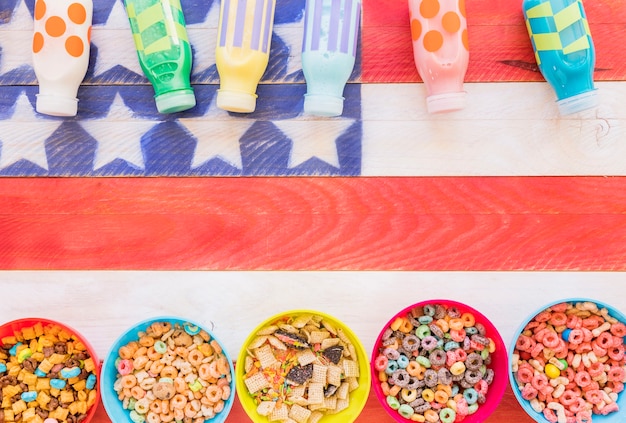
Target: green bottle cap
x=175 y=101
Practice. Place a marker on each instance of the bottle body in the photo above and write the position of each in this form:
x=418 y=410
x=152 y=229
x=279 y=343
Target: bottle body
x=331 y=29
x=163 y=50
x=61 y=53
x=564 y=50
x=441 y=51
x=242 y=51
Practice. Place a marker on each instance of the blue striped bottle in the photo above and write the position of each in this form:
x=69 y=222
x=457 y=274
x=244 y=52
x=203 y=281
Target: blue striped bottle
x=331 y=29
x=564 y=50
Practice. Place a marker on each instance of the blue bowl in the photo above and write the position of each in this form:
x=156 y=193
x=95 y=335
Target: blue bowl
x=616 y=417
x=113 y=405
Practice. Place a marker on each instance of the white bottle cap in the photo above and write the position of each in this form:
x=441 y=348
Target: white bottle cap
x=236 y=101
x=323 y=105
x=447 y=102
x=56 y=105
x=175 y=101
x=578 y=103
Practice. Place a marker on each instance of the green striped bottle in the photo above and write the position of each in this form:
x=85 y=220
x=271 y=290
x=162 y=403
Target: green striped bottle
x=164 y=51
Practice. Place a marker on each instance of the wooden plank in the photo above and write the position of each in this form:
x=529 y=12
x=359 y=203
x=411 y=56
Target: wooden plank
x=500 y=49
x=503 y=131
x=308 y=224
x=509 y=410
x=119 y=133
x=101 y=305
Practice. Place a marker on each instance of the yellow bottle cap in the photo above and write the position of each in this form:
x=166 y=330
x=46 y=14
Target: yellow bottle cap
x=236 y=101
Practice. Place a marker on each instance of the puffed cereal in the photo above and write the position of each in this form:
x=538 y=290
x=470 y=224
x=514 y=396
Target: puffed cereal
x=173 y=373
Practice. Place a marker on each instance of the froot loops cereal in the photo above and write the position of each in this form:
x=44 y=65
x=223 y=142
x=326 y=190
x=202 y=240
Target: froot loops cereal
x=433 y=364
x=46 y=375
x=173 y=372
x=569 y=362
x=300 y=369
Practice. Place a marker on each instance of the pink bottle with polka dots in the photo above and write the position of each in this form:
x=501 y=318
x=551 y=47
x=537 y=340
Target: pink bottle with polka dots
x=61 y=53
x=441 y=51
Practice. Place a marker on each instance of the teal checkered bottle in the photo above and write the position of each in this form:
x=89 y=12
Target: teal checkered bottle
x=164 y=52
x=564 y=50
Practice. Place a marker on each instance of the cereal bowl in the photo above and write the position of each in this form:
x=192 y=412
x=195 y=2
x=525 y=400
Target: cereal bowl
x=547 y=379
x=181 y=369
x=59 y=366
x=420 y=363
x=305 y=365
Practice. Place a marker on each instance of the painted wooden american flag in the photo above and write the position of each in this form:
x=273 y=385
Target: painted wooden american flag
x=505 y=184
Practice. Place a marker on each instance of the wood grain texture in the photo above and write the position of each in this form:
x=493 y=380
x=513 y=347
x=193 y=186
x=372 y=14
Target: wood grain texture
x=101 y=305
x=509 y=411
x=497 y=134
x=302 y=223
x=500 y=49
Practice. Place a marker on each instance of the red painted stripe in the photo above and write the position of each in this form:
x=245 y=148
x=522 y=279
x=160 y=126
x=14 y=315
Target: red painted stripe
x=314 y=223
x=508 y=411
x=500 y=49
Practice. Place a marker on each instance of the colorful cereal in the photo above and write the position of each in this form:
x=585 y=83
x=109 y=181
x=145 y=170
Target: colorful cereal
x=447 y=375
x=570 y=363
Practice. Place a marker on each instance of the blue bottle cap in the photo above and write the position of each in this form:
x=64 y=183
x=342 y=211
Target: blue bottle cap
x=578 y=103
x=323 y=105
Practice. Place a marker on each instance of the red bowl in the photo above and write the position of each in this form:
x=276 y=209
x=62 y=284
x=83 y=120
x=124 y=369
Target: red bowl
x=499 y=363
x=10 y=328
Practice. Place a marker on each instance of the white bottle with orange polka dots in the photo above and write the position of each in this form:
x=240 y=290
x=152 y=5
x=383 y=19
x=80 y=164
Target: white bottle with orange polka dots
x=61 y=53
x=441 y=51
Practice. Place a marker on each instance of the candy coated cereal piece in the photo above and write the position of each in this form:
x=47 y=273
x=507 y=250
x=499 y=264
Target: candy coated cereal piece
x=552 y=371
x=29 y=396
x=565 y=334
x=24 y=354
x=70 y=372
x=3 y=367
x=91 y=381
x=195 y=386
x=13 y=349
x=58 y=383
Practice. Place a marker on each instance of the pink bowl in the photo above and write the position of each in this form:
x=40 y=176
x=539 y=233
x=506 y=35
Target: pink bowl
x=10 y=328
x=499 y=363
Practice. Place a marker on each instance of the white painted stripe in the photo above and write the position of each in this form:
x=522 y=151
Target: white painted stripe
x=506 y=129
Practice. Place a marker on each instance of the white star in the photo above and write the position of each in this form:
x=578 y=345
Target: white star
x=217 y=135
x=24 y=135
x=17 y=46
x=203 y=37
x=291 y=34
x=115 y=42
x=118 y=135
x=314 y=138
